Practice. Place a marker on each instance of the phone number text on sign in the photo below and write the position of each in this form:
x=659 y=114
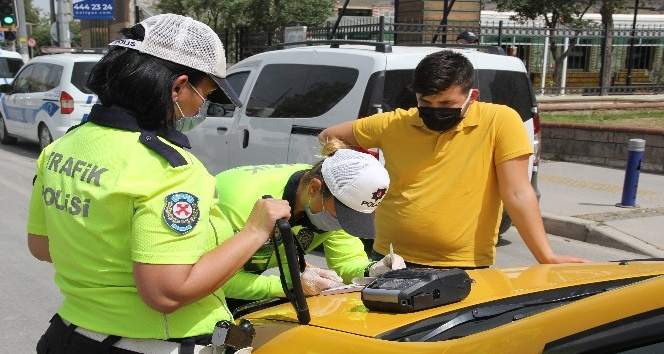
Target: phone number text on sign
x=93 y=10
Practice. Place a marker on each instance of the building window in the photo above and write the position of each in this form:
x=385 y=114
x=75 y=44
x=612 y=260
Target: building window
x=641 y=57
x=578 y=58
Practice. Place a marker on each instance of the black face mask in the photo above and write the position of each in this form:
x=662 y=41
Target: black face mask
x=440 y=119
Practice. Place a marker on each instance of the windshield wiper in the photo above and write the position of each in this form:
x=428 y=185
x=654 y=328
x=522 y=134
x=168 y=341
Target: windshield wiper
x=627 y=261
x=482 y=313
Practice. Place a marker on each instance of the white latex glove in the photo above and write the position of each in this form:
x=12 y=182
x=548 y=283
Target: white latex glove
x=390 y=262
x=315 y=280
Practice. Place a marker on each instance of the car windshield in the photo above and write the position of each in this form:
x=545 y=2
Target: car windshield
x=9 y=67
x=490 y=315
x=80 y=73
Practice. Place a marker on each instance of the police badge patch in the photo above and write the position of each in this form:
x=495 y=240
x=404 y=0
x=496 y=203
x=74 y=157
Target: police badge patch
x=181 y=212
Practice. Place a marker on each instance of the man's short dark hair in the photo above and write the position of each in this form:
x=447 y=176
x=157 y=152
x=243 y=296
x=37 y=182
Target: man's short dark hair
x=441 y=70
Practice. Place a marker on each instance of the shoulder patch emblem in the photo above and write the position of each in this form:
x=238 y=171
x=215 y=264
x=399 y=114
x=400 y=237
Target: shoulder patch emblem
x=181 y=212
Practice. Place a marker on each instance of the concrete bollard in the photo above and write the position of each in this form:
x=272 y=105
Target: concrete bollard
x=636 y=147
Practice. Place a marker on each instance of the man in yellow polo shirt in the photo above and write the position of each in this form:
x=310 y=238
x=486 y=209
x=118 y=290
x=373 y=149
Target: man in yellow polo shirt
x=451 y=161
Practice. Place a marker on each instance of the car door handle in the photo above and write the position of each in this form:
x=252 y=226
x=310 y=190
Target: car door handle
x=222 y=130
x=245 y=139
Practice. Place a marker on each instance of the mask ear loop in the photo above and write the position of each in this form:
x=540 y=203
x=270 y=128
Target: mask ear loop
x=322 y=198
x=177 y=104
x=472 y=95
x=309 y=200
x=198 y=93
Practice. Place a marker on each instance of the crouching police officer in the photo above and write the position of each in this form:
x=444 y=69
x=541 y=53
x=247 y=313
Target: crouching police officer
x=127 y=215
x=330 y=201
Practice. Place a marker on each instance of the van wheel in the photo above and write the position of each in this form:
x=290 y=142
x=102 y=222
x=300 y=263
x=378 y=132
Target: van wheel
x=4 y=136
x=45 y=137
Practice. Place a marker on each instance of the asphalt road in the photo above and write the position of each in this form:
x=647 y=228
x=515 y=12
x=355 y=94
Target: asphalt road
x=28 y=296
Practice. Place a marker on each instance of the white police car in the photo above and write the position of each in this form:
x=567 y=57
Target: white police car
x=47 y=96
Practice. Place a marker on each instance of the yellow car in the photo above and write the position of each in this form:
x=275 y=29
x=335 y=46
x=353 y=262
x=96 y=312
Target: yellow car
x=574 y=308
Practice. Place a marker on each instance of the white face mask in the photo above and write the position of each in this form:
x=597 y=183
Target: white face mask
x=322 y=220
x=187 y=123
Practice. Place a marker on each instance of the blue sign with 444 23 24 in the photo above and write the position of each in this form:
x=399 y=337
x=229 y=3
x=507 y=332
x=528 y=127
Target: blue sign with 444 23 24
x=93 y=9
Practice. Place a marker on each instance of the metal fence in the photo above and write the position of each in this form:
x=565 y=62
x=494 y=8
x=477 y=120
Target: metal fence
x=535 y=46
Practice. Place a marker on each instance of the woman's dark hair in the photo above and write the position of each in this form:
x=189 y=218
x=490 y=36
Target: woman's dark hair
x=139 y=83
x=441 y=70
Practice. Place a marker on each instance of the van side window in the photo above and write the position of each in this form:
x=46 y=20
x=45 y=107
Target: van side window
x=510 y=88
x=23 y=80
x=54 y=76
x=44 y=77
x=398 y=91
x=80 y=74
x=237 y=81
x=299 y=91
x=9 y=67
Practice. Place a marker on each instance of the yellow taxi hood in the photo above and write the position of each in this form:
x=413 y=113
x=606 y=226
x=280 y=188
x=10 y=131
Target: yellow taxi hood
x=346 y=312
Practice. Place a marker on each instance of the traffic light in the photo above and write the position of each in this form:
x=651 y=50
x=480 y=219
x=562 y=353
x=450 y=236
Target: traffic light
x=7 y=14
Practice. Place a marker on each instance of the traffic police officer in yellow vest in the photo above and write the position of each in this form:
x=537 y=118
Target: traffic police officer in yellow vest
x=333 y=203
x=127 y=215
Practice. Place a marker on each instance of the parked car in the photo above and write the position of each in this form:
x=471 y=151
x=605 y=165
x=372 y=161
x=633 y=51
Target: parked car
x=47 y=97
x=10 y=64
x=291 y=95
x=570 y=308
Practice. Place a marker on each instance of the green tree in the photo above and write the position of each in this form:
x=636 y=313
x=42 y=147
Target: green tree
x=219 y=15
x=41 y=31
x=31 y=12
x=291 y=12
x=264 y=15
x=556 y=14
x=75 y=33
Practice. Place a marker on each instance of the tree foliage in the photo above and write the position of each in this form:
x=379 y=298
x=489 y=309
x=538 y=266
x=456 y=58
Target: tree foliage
x=568 y=13
x=258 y=14
x=218 y=15
x=41 y=27
x=31 y=13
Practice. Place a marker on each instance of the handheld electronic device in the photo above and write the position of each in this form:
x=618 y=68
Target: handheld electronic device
x=415 y=289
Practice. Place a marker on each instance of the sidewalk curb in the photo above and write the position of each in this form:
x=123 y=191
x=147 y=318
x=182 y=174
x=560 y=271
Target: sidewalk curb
x=582 y=106
x=610 y=98
x=597 y=233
